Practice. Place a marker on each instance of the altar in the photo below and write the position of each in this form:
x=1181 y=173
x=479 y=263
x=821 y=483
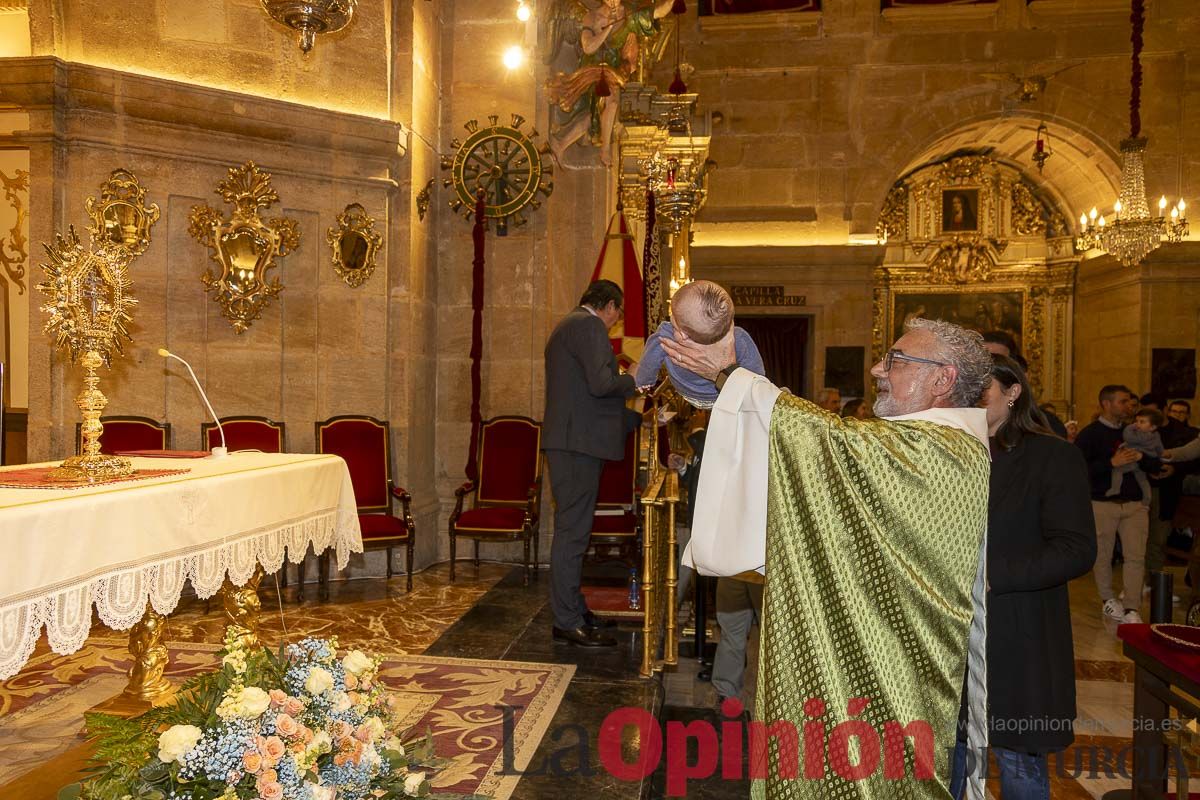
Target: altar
x=128 y=548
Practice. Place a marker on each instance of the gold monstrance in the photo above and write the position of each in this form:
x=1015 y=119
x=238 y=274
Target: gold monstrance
x=88 y=311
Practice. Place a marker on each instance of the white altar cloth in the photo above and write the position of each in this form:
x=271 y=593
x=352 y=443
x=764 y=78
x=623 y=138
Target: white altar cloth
x=119 y=545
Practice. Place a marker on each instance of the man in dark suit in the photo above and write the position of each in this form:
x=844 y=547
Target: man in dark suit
x=586 y=424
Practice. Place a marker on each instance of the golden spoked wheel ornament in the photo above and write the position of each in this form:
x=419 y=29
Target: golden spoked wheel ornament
x=88 y=310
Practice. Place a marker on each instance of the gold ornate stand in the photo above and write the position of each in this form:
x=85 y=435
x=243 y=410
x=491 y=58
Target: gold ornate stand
x=91 y=465
x=242 y=605
x=146 y=681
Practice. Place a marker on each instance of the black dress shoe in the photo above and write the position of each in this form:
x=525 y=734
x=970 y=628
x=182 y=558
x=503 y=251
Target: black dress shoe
x=590 y=620
x=584 y=637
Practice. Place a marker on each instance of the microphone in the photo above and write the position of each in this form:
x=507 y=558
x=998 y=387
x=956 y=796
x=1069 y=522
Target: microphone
x=217 y=452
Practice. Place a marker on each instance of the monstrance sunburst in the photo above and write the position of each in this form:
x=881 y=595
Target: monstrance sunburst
x=88 y=317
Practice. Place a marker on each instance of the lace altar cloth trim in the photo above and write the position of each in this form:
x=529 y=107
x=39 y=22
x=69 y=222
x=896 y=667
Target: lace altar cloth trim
x=39 y=478
x=120 y=596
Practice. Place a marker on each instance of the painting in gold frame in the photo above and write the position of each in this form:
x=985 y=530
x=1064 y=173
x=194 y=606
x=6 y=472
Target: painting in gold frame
x=997 y=309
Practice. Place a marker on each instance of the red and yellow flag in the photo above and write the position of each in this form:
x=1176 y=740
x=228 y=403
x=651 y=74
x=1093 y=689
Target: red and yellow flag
x=618 y=263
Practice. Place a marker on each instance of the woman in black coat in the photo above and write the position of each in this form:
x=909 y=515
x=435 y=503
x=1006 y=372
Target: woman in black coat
x=1041 y=534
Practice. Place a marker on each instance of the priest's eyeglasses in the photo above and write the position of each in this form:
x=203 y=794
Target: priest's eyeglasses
x=891 y=356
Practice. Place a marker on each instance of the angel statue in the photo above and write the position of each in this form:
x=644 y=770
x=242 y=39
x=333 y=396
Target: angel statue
x=602 y=41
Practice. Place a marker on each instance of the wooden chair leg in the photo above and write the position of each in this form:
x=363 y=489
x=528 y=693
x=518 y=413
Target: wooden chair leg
x=453 y=546
x=537 y=559
x=526 y=582
x=323 y=575
x=476 y=552
x=409 y=556
x=389 y=562
x=283 y=578
x=300 y=579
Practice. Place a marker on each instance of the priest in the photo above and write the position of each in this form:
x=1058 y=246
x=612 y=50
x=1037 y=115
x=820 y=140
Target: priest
x=871 y=534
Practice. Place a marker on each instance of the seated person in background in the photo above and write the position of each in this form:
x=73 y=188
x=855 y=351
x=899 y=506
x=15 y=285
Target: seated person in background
x=702 y=311
x=1142 y=436
x=857 y=408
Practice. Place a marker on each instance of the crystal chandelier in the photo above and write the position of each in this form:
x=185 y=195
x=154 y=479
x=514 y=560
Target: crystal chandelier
x=311 y=17
x=1133 y=233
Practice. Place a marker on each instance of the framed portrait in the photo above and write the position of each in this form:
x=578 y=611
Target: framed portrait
x=977 y=311
x=960 y=210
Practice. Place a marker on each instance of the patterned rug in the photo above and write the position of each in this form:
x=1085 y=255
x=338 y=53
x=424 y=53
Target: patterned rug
x=41 y=709
x=610 y=601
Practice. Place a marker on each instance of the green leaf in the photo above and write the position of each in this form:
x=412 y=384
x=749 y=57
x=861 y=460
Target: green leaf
x=70 y=792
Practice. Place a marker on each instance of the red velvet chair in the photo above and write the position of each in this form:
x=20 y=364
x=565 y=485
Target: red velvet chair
x=365 y=444
x=617 y=525
x=122 y=434
x=244 y=433
x=507 y=497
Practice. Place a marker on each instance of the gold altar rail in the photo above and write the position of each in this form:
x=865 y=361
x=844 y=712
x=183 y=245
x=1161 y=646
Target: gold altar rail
x=659 y=570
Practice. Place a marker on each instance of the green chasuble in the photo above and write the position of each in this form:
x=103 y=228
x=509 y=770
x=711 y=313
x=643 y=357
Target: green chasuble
x=874 y=537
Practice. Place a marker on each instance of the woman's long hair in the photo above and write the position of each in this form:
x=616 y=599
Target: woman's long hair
x=1024 y=418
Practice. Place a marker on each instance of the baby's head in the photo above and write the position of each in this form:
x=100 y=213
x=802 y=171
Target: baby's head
x=702 y=310
x=1148 y=420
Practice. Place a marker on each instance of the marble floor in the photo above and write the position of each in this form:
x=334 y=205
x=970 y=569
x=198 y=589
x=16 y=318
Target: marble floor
x=490 y=614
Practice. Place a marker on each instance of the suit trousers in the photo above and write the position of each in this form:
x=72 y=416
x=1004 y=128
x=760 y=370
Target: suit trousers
x=575 y=484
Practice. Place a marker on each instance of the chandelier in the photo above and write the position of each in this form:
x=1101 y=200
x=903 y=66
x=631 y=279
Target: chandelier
x=1133 y=233
x=311 y=17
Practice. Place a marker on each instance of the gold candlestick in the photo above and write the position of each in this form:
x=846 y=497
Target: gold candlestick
x=88 y=312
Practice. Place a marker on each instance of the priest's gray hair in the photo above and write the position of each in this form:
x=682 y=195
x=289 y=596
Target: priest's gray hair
x=964 y=350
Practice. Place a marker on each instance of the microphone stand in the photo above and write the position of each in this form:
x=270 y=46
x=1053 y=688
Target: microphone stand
x=217 y=452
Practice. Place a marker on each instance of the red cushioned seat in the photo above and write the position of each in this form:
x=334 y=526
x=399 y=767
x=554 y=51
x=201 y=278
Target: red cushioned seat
x=507 y=495
x=382 y=526
x=625 y=524
x=364 y=443
x=491 y=519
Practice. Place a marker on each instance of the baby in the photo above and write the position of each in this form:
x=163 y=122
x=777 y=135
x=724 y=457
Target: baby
x=704 y=312
x=1142 y=436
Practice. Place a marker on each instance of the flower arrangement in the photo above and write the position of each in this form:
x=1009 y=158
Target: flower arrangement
x=299 y=724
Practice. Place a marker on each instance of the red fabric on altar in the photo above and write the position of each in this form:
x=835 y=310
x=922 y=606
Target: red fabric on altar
x=508 y=460
x=39 y=478
x=165 y=453
x=382 y=526
x=491 y=519
x=718 y=7
x=362 y=443
x=1185 y=662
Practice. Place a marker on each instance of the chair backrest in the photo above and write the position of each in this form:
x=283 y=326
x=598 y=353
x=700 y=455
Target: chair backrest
x=364 y=444
x=510 y=460
x=619 y=478
x=122 y=434
x=244 y=433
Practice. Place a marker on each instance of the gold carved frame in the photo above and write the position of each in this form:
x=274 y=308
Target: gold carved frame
x=121 y=215
x=354 y=243
x=1020 y=245
x=245 y=246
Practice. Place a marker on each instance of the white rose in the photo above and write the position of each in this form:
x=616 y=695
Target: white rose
x=370 y=756
x=340 y=702
x=393 y=744
x=177 y=741
x=357 y=662
x=319 y=680
x=253 y=701
x=413 y=782
x=322 y=792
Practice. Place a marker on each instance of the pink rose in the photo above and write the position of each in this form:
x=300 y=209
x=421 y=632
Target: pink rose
x=278 y=698
x=274 y=748
x=286 y=726
x=293 y=706
x=270 y=791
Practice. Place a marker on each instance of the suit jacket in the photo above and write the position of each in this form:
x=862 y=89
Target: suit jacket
x=1041 y=534
x=585 y=392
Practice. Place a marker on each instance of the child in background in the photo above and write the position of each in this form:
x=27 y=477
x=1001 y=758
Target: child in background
x=1142 y=435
